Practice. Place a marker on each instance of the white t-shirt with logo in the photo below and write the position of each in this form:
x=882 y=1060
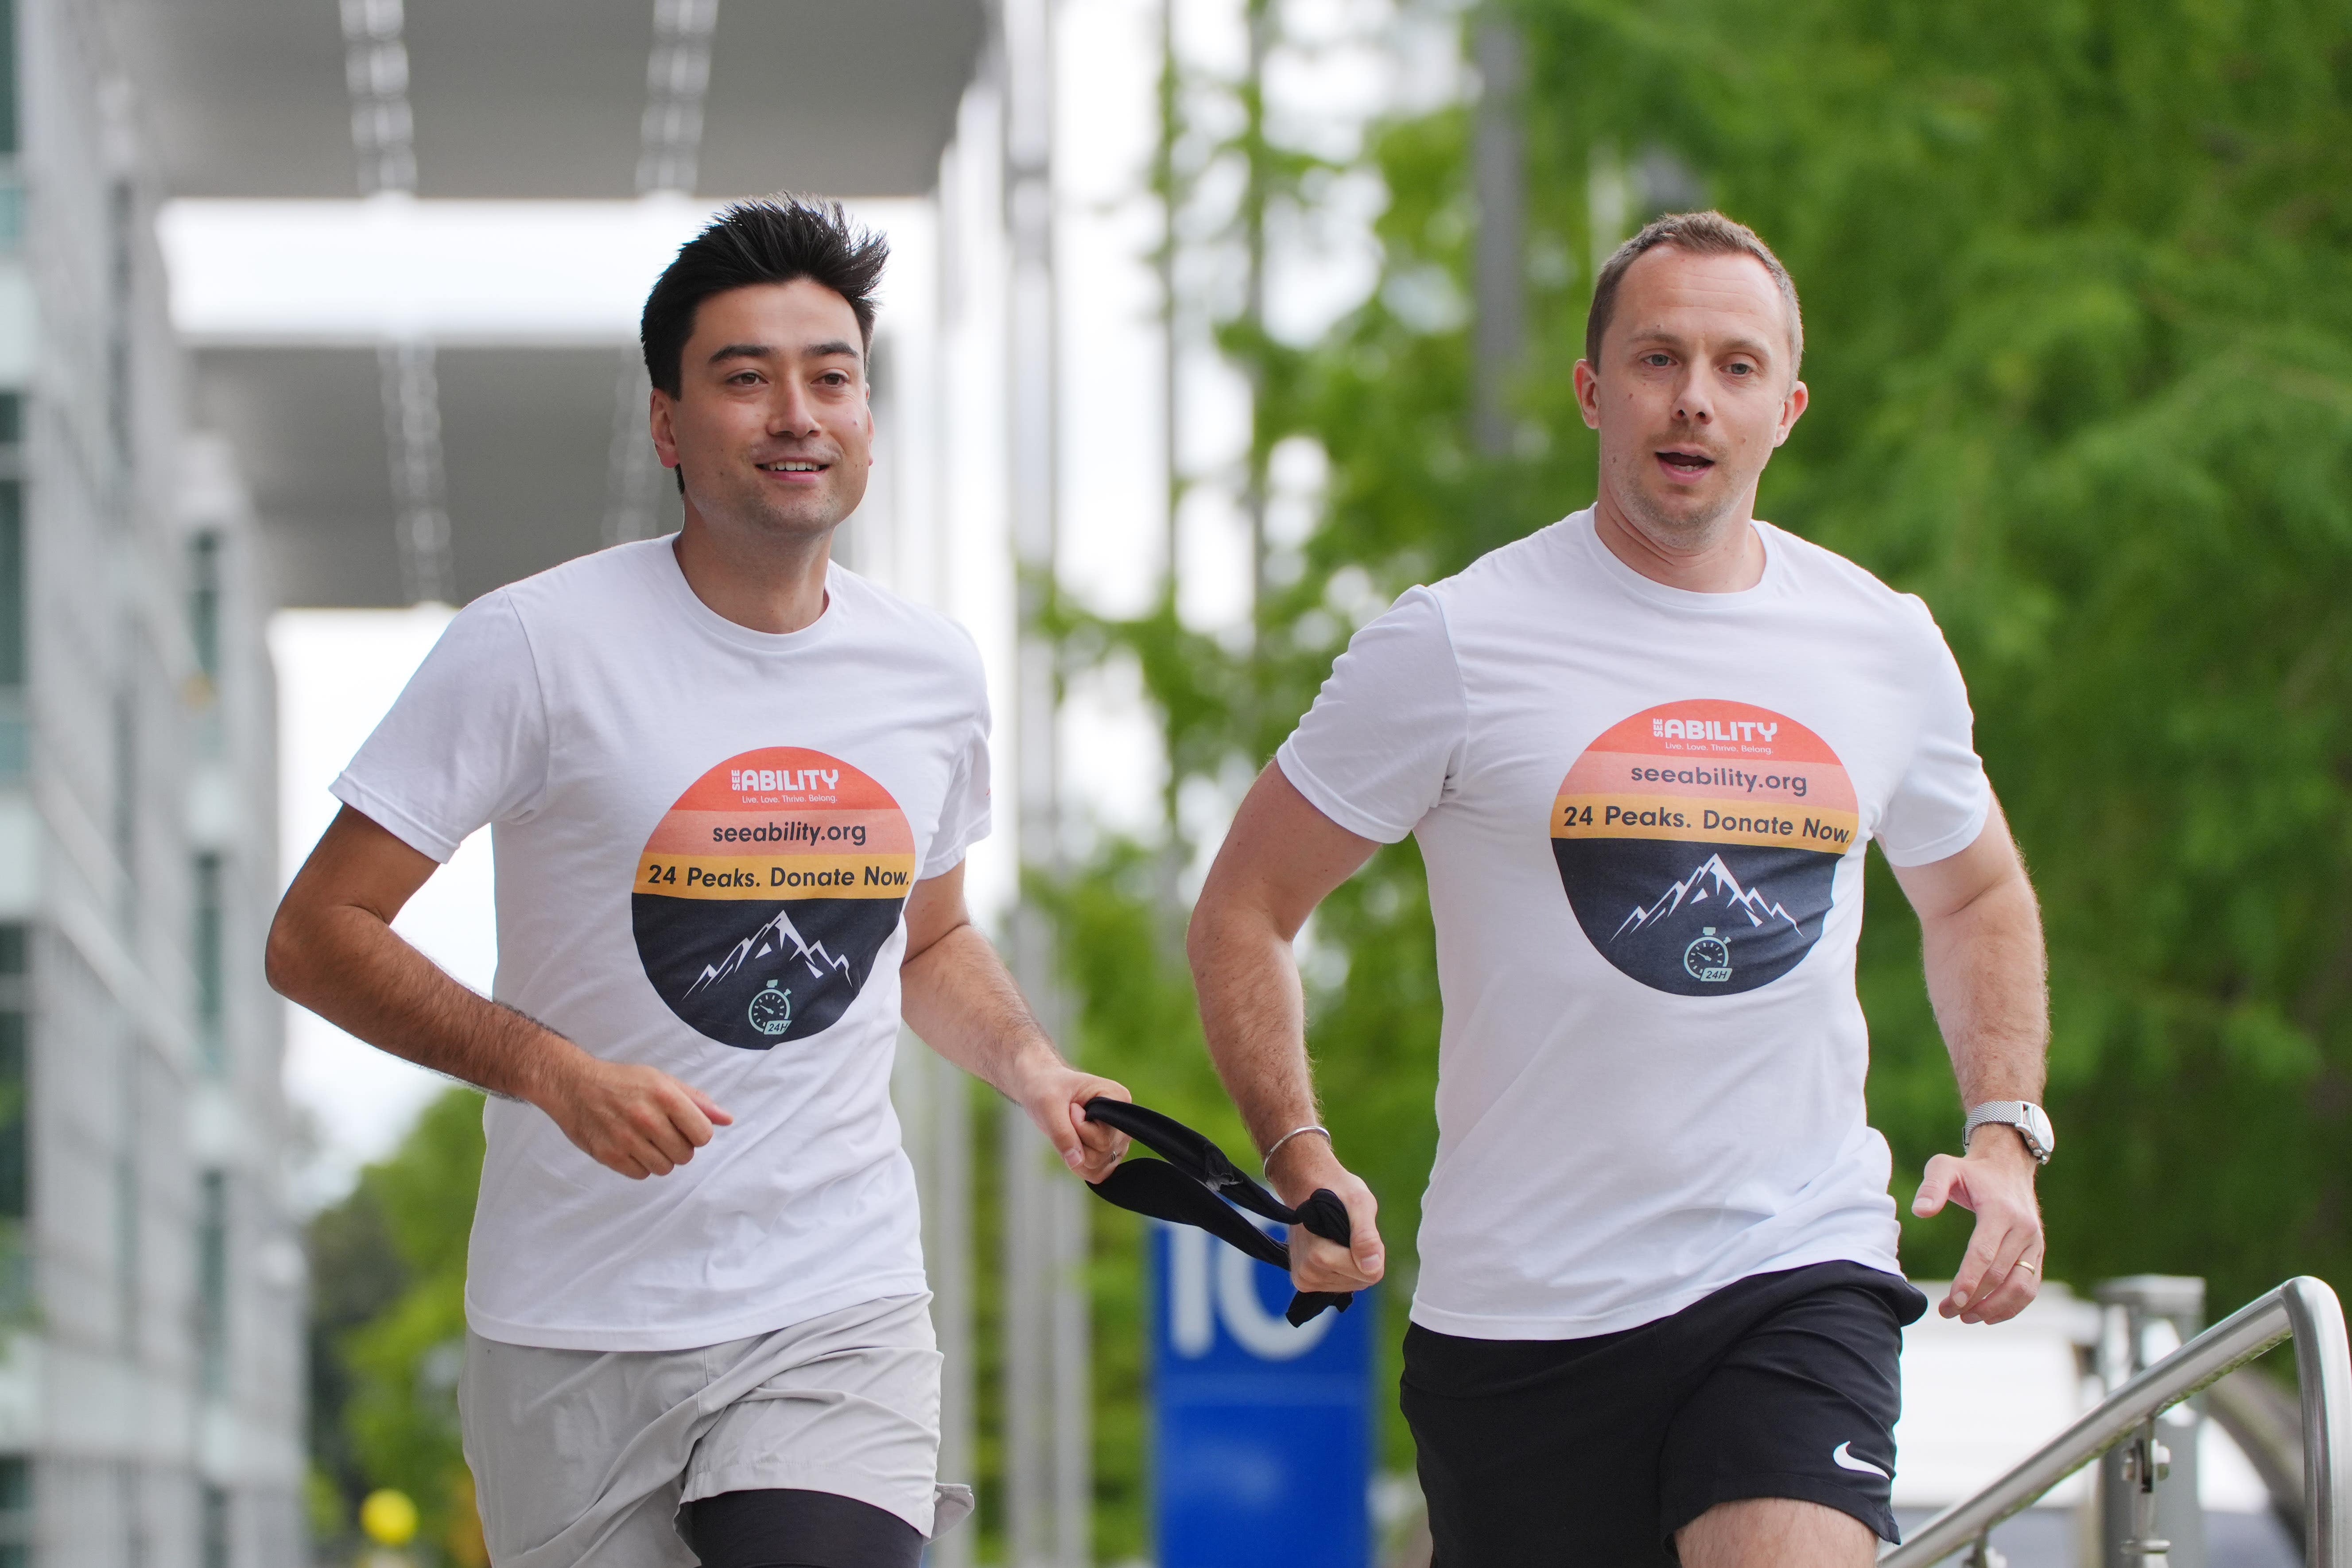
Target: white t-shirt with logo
x=705 y=836
x=1643 y=811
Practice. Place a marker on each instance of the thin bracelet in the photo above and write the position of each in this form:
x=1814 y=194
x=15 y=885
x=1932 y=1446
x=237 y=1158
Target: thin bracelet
x=1275 y=1148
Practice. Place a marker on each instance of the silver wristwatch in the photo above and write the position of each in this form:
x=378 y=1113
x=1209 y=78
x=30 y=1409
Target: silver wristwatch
x=2032 y=1124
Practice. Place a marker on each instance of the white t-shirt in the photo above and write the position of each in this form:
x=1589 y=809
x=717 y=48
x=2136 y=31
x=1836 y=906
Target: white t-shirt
x=1642 y=811
x=705 y=836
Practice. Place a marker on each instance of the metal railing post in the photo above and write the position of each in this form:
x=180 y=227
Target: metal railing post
x=2151 y=1510
x=2323 y=1375
x=2303 y=1309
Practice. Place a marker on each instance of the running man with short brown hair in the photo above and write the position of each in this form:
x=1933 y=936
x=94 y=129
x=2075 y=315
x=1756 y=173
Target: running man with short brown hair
x=1659 y=1308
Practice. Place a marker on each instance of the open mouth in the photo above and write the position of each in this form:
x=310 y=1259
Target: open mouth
x=792 y=466
x=1689 y=465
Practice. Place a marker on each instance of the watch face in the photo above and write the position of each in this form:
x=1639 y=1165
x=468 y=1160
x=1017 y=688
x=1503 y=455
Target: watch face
x=2037 y=1128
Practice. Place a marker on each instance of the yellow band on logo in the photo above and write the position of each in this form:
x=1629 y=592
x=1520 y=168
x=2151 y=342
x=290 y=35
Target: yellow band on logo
x=1703 y=820
x=749 y=877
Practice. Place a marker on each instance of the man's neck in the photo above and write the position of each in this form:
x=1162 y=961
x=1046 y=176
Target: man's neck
x=1727 y=557
x=765 y=588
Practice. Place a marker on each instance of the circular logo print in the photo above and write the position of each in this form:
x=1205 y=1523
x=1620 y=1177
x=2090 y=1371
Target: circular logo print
x=1698 y=843
x=765 y=895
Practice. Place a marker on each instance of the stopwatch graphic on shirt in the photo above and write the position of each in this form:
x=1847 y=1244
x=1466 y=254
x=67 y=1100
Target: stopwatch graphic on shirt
x=765 y=894
x=1699 y=844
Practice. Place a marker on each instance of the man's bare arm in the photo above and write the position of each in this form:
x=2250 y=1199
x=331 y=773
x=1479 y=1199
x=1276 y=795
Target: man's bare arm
x=333 y=950
x=1987 y=976
x=1281 y=858
x=956 y=994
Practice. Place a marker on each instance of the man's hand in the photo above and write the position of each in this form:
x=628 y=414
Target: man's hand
x=635 y=1119
x=2002 y=1271
x=955 y=993
x=1054 y=1094
x=1316 y=1263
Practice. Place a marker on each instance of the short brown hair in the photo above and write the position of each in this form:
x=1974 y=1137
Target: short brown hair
x=1701 y=234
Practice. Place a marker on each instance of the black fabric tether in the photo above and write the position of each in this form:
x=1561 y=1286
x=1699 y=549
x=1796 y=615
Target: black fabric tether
x=1193 y=1188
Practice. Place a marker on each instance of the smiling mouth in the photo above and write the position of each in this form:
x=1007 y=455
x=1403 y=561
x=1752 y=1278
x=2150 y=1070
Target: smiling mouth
x=793 y=466
x=1687 y=462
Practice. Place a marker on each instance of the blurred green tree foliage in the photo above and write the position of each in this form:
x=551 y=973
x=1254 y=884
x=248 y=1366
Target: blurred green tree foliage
x=388 y=1328
x=2078 y=280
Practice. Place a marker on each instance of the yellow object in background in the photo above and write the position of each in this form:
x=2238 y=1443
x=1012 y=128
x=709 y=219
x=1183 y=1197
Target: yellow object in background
x=389 y=1518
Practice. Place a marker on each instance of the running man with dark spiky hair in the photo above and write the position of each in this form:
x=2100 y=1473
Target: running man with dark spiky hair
x=1659 y=1307
x=731 y=787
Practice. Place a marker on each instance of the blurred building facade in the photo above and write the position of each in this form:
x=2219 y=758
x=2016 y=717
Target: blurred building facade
x=150 y=1389
x=151 y=1291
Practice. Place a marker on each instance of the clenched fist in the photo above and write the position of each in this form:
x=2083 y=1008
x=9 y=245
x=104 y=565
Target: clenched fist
x=637 y=1121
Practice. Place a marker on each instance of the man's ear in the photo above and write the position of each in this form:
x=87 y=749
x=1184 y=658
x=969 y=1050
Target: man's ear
x=1587 y=393
x=1792 y=410
x=659 y=423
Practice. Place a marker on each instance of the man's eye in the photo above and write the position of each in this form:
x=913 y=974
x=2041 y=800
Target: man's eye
x=1655 y=360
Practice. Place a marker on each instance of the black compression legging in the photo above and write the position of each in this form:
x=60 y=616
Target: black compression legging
x=781 y=1528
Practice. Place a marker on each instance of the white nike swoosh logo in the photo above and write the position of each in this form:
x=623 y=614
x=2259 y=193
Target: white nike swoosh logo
x=1842 y=1458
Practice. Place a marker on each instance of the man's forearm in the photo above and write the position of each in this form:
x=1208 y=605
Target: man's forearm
x=957 y=996
x=352 y=969
x=1986 y=976
x=1253 y=1013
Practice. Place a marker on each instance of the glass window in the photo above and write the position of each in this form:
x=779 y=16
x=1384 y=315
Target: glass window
x=7 y=77
x=14 y=1039
x=126 y=794
x=120 y=417
x=212 y=979
x=212 y=1282
x=14 y=742
x=204 y=600
x=12 y=582
x=216 y=1553
x=15 y=1504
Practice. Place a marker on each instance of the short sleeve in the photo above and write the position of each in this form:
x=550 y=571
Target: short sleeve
x=465 y=746
x=1386 y=733
x=964 y=812
x=1942 y=799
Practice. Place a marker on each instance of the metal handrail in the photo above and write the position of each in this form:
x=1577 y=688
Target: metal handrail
x=2304 y=1310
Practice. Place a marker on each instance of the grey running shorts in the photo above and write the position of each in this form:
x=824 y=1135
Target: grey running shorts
x=583 y=1459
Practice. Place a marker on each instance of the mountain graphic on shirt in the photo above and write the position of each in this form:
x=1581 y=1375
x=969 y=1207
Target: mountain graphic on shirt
x=1696 y=919
x=775 y=936
x=1713 y=885
x=812 y=957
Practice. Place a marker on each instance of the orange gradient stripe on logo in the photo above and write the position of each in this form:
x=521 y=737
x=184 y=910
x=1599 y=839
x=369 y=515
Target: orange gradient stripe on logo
x=1709 y=772
x=780 y=823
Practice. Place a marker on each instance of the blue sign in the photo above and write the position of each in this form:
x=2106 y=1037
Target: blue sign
x=1262 y=1433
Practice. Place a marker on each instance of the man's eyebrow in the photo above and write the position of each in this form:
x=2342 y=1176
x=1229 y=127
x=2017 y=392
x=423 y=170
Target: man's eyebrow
x=834 y=349
x=1755 y=348
x=742 y=350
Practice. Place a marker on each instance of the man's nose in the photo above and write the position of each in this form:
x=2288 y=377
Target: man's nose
x=1693 y=403
x=790 y=412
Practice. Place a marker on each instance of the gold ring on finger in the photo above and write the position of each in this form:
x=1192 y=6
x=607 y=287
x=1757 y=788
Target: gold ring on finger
x=2029 y=1268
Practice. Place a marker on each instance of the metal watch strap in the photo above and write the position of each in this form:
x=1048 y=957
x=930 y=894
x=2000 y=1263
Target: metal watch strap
x=2021 y=1114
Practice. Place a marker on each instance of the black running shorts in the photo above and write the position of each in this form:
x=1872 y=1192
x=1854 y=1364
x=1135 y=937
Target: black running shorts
x=1593 y=1452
